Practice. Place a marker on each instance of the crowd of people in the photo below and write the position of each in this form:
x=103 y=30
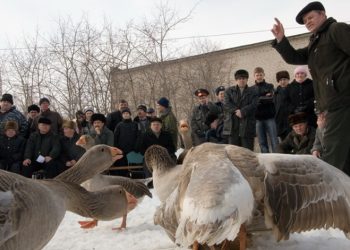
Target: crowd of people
x=299 y=116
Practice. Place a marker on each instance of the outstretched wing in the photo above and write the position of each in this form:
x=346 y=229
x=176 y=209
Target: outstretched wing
x=214 y=197
x=304 y=193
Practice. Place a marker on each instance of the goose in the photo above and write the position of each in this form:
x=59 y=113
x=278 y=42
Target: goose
x=220 y=183
x=136 y=190
x=31 y=210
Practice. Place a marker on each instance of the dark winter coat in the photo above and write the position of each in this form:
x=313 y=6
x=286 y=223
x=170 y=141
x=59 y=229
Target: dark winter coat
x=266 y=108
x=125 y=136
x=282 y=107
x=301 y=99
x=42 y=144
x=14 y=115
x=54 y=117
x=328 y=58
x=70 y=151
x=105 y=137
x=199 y=115
x=296 y=144
x=11 y=149
x=169 y=123
x=113 y=119
x=164 y=140
x=143 y=125
x=247 y=102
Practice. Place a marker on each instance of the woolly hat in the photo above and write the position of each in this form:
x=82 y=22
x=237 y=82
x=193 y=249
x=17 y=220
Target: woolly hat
x=44 y=120
x=156 y=119
x=98 y=117
x=297 y=118
x=210 y=118
x=301 y=69
x=201 y=92
x=163 y=102
x=44 y=99
x=219 y=89
x=142 y=107
x=241 y=73
x=68 y=124
x=310 y=7
x=33 y=107
x=126 y=110
x=282 y=75
x=7 y=98
x=11 y=125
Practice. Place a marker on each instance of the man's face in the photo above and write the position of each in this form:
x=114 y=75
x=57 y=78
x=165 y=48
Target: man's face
x=242 y=82
x=160 y=108
x=10 y=133
x=123 y=105
x=300 y=128
x=221 y=96
x=5 y=106
x=203 y=100
x=33 y=113
x=300 y=77
x=44 y=128
x=126 y=115
x=156 y=127
x=141 y=113
x=259 y=77
x=283 y=82
x=314 y=19
x=44 y=106
x=98 y=124
x=68 y=132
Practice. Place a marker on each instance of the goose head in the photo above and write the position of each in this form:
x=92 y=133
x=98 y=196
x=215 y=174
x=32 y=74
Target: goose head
x=157 y=158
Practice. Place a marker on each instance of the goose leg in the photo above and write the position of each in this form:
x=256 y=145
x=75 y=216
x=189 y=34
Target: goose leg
x=123 y=225
x=195 y=245
x=88 y=224
x=243 y=238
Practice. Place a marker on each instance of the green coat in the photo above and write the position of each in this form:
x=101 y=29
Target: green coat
x=328 y=58
x=295 y=144
x=169 y=122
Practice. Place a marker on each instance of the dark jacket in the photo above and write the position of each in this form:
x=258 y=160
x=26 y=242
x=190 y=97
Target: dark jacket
x=113 y=119
x=70 y=151
x=143 y=125
x=199 y=115
x=247 y=103
x=11 y=149
x=55 y=118
x=282 y=110
x=45 y=145
x=125 y=135
x=266 y=108
x=14 y=115
x=105 y=137
x=328 y=58
x=169 y=123
x=296 y=144
x=164 y=140
x=301 y=99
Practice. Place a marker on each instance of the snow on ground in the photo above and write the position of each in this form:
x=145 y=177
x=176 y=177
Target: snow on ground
x=142 y=234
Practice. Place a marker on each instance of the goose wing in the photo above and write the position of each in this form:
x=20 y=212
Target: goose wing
x=299 y=192
x=215 y=199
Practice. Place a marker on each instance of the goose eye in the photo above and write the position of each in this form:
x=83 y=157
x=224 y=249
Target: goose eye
x=102 y=150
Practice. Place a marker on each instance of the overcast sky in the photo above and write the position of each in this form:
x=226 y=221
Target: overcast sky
x=210 y=17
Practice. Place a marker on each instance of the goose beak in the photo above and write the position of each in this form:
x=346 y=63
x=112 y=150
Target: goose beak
x=81 y=141
x=116 y=153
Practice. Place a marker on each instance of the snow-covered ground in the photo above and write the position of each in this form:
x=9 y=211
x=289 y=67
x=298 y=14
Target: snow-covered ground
x=142 y=234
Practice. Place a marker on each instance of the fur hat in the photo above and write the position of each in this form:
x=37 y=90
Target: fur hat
x=126 y=110
x=219 y=89
x=282 y=75
x=156 y=119
x=11 y=125
x=44 y=120
x=142 y=107
x=33 y=107
x=98 y=117
x=44 y=99
x=210 y=118
x=310 y=7
x=297 y=118
x=301 y=69
x=7 y=98
x=68 y=124
x=201 y=92
x=241 y=73
x=163 y=102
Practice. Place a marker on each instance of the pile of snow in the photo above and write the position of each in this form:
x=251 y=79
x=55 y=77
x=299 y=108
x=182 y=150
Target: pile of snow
x=142 y=234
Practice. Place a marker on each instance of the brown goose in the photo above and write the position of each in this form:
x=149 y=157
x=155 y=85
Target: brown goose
x=31 y=210
x=136 y=190
x=220 y=183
